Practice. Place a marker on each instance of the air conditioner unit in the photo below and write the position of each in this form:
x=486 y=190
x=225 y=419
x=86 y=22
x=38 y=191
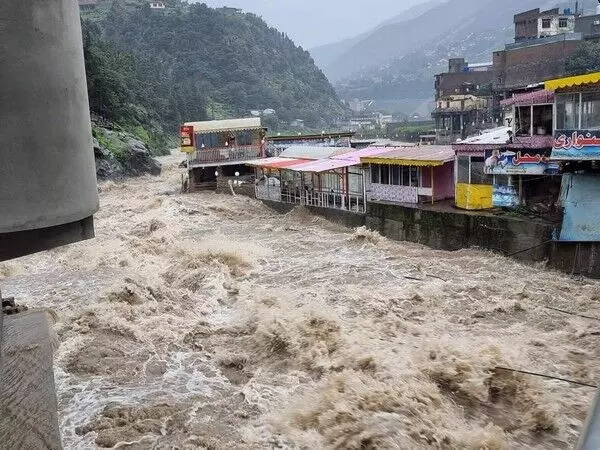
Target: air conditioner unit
x=596 y=22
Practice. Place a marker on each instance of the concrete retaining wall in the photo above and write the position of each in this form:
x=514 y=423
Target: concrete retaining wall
x=456 y=230
x=521 y=239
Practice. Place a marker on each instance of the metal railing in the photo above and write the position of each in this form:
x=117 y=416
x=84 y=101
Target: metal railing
x=332 y=200
x=224 y=155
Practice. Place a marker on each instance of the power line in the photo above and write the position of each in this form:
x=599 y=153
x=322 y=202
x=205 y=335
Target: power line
x=550 y=377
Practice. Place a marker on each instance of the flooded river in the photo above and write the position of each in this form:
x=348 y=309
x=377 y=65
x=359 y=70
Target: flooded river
x=209 y=321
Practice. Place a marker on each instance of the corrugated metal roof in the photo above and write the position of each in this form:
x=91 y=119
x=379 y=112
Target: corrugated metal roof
x=339 y=160
x=364 y=152
x=529 y=98
x=324 y=165
x=426 y=155
x=275 y=162
x=260 y=161
x=498 y=135
x=312 y=152
x=211 y=126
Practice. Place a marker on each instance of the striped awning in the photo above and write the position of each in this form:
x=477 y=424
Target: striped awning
x=580 y=80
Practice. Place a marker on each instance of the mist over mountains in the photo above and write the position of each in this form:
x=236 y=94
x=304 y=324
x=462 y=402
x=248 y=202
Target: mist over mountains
x=395 y=62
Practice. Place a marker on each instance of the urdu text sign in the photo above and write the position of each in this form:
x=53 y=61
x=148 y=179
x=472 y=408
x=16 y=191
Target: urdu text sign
x=577 y=145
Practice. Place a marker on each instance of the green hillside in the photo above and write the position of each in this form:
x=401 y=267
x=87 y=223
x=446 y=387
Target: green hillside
x=150 y=70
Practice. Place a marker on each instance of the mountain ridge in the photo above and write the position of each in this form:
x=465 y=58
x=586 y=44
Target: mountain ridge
x=472 y=29
x=323 y=53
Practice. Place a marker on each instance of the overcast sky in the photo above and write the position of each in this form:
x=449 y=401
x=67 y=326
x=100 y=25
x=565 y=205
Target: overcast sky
x=314 y=22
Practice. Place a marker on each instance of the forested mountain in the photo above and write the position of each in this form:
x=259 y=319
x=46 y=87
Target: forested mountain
x=157 y=68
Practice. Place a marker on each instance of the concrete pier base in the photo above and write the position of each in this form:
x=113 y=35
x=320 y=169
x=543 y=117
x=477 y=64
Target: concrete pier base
x=28 y=405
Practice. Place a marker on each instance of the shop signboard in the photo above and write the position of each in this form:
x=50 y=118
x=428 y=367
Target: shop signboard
x=186 y=136
x=505 y=196
x=519 y=162
x=576 y=145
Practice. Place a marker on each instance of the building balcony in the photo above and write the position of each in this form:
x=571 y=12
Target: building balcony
x=457 y=110
x=224 y=155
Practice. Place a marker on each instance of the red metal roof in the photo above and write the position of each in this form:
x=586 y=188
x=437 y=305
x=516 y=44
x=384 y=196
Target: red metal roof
x=529 y=98
x=342 y=159
x=275 y=162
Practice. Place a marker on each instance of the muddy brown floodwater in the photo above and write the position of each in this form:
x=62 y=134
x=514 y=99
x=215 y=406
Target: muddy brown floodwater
x=209 y=321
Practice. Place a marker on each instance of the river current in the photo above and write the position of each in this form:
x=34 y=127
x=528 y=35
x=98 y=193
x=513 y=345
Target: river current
x=210 y=321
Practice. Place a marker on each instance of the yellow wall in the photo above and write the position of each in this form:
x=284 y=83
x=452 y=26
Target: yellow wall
x=473 y=196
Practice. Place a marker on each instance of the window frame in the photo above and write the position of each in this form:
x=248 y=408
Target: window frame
x=375 y=171
x=384 y=174
x=546 y=21
x=579 y=124
x=563 y=20
x=395 y=175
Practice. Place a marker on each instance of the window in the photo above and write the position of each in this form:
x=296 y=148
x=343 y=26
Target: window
x=590 y=115
x=414 y=176
x=375 y=173
x=463 y=169
x=567 y=111
x=563 y=22
x=385 y=174
x=542 y=120
x=396 y=175
x=478 y=175
x=209 y=140
x=523 y=120
x=405 y=179
x=546 y=23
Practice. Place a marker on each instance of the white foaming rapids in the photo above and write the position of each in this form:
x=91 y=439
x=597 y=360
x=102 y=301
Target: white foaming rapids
x=209 y=320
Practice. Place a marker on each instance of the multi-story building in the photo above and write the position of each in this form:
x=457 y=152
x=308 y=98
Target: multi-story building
x=536 y=24
x=219 y=148
x=463 y=100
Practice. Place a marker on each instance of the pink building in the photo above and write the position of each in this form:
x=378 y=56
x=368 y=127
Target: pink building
x=410 y=175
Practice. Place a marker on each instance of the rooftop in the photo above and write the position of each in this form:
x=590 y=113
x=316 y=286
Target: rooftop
x=492 y=136
x=428 y=155
x=529 y=98
x=545 y=40
x=275 y=163
x=212 y=126
x=312 y=152
x=327 y=135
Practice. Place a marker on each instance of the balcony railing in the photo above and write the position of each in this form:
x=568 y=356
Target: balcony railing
x=224 y=155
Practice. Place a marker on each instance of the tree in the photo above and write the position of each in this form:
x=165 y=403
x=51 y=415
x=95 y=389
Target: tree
x=156 y=69
x=585 y=60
